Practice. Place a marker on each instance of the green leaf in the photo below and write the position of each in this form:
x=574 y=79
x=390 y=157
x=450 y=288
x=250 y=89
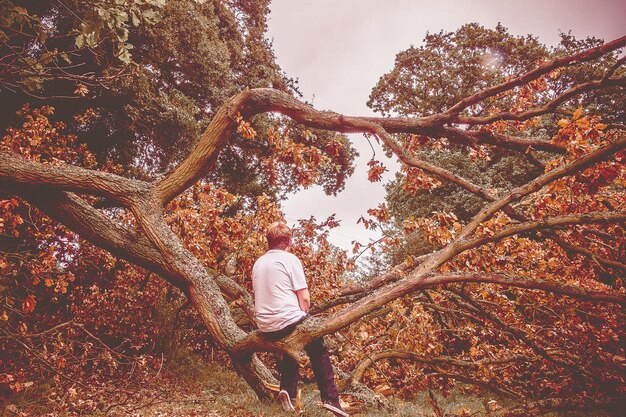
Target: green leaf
x=104 y=14
x=124 y=55
x=80 y=41
x=33 y=83
x=149 y=16
x=135 y=19
x=45 y=58
x=65 y=57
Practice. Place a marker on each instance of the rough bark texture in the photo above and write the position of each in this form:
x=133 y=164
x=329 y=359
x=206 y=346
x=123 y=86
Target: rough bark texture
x=155 y=247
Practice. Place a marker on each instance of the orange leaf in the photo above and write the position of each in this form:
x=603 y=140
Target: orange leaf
x=81 y=90
x=29 y=304
x=563 y=122
x=578 y=113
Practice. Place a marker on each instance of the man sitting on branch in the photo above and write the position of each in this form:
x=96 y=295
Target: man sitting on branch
x=281 y=302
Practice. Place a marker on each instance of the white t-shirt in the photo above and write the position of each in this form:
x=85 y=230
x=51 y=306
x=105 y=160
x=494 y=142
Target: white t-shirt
x=276 y=276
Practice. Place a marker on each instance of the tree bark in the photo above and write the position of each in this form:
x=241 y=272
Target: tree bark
x=153 y=245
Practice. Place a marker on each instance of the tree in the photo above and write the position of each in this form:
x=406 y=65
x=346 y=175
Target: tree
x=138 y=84
x=589 y=158
x=452 y=65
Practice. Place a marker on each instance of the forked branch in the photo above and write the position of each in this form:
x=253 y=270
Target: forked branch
x=155 y=247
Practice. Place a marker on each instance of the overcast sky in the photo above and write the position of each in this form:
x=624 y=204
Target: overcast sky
x=338 y=49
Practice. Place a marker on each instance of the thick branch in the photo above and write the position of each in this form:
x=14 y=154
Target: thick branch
x=586 y=218
x=203 y=156
x=548 y=107
x=473 y=137
x=532 y=283
x=92 y=225
x=237 y=293
x=316 y=326
x=356 y=292
x=256 y=101
x=413 y=281
x=591 y=158
x=438 y=172
x=369 y=360
x=202 y=289
x=17 y=171
x=542 y=69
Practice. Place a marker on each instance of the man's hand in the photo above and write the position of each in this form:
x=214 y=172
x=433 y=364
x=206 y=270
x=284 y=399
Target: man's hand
x=304 y=299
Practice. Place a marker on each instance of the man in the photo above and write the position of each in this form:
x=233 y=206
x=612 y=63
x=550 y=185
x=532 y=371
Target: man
x=281 y=301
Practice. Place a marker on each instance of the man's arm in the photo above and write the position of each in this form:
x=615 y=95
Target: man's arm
x=304 y=299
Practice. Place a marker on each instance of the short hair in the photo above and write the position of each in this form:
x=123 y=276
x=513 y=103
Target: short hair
x=278 y=235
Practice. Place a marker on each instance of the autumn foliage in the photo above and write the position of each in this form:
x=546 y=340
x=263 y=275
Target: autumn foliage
x=522 y=297
x=75 y=307
x=479 y=332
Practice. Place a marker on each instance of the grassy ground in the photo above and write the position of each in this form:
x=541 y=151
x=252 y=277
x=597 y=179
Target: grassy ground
x=192 y=387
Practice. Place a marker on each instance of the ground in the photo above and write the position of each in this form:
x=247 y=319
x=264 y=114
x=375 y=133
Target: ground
x=194 y=387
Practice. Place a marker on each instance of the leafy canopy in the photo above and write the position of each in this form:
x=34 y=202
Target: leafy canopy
x=143 y=79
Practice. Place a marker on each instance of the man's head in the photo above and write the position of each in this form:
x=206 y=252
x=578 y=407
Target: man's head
x=278 y=236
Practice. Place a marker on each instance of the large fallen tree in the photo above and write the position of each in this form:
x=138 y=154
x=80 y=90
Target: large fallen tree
x=59 y=191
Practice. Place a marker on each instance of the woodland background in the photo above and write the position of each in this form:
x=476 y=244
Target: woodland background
x=128 y=88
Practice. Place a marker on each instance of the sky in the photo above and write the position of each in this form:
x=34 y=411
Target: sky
x=338 y=49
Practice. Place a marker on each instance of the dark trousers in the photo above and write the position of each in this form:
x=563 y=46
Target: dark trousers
x=320 y=362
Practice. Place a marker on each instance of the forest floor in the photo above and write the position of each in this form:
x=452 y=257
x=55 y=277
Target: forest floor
x=198 y=388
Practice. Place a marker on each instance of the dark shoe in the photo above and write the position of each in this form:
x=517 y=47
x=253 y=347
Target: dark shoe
x=285 y=401
x=335 y=408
